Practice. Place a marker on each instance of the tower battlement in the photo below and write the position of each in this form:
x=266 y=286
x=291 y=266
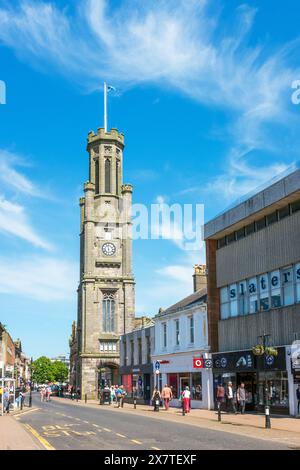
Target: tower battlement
x=113 y=134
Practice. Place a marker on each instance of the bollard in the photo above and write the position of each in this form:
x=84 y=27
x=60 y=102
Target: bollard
x=85 y=398
x=267 y=418
x=183 y=410
x=134 y=403
x=21 y=403
x=219 y=411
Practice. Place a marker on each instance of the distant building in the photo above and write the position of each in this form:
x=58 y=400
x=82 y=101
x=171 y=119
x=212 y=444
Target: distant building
x=62 y=358
x=136 y=369
x=7 y=353
x=22 y=365
x=181 y=346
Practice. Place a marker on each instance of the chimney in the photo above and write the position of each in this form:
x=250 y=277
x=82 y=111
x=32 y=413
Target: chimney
x=199 y=277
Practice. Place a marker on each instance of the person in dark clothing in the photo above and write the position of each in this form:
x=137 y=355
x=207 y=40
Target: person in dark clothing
x=298 y=397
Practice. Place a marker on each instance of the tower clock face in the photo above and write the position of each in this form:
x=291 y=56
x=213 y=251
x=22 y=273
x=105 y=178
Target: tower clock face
x=109 y=249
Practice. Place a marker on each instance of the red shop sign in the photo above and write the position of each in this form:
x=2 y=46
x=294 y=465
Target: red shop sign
x=198 y=363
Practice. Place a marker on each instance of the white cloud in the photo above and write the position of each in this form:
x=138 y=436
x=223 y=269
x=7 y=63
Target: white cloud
x=13 y=179
x=14 y=221
x=39 y=278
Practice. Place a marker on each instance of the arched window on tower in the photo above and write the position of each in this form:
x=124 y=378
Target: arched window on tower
x=117 y=176
x=107 y=175
x=97 y=176
x=108 y=313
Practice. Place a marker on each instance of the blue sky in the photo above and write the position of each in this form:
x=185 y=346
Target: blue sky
x=204 y=101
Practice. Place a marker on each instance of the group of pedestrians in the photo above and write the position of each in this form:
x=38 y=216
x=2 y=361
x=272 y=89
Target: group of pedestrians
x=45 y=393
x=166 y=396
x=232 y=398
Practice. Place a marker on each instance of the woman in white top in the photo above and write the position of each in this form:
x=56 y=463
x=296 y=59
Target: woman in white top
x=186 y=396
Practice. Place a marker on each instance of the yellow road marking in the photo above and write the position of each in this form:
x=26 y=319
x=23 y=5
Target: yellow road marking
x=155 y=448
x=19 y=415
x=120 y=435
x=96 y=425
x=86 y=422
x=135 y=441
x=42 y=440
x=78 y=419
x=108 y=430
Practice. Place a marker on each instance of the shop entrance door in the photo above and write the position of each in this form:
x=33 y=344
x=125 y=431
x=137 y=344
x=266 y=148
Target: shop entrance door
x=251 y=388
x=184 y=382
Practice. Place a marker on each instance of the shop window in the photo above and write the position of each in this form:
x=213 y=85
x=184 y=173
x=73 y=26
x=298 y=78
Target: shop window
x=275 y=289
x=287 y=286
x=277 y=386
x=253 y=299
x=196 y=392
x=233 y=300
x=243 y=298
x=173 y=384
x=224 y=297
x=264 y=292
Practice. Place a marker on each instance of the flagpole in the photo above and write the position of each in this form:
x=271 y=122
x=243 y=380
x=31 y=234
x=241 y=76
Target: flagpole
x=105 y=107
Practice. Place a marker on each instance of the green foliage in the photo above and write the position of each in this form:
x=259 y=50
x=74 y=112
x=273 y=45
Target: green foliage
x=60 y=371
x=42 y=370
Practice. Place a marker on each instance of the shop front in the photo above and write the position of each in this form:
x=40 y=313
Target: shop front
x=181 y=370
x=258 y=373
x=138 y=379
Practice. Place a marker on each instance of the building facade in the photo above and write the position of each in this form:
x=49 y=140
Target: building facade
x=181 y=344
x=253 y=261
x=7 y=354
x=136 y=368
x=106 y=290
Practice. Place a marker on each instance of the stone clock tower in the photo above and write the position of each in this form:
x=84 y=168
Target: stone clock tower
x=106 y=290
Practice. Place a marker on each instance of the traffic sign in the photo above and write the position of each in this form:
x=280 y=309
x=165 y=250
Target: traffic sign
x=157 y=365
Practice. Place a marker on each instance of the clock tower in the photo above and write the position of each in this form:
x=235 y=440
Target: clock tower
x=106 y=289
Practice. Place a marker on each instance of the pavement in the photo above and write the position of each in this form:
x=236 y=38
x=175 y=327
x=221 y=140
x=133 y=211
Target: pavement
x=14 y=436
x=63 y=424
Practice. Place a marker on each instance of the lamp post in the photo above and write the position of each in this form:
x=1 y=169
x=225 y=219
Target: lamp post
x=265 y=338
x=30 y=391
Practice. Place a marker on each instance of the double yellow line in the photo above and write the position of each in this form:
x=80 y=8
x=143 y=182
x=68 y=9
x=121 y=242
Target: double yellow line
x=40 y=438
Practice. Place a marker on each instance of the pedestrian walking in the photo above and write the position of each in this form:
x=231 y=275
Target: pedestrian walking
x=112 y=394
x=230 y=398
x=186 y=398
x=167 y=396
x=43 y=394
x=156 y=397
x=298 y=397
x=220 y=395
x=241 y=397
x=6 y=401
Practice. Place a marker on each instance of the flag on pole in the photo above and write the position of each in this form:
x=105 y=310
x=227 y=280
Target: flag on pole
x=110 y=88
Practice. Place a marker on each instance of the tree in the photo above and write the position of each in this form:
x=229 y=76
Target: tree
x=42 y=370
x=60 y=371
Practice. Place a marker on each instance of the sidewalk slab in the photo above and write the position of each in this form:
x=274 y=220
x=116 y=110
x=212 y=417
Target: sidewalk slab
x=13 y=436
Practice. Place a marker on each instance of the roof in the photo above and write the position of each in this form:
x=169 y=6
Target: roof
x=283 y=189
x=200 y=296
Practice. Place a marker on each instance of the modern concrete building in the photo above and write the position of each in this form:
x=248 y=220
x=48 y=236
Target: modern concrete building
x=253 y=261
x=181 y=344
x=106 y=290
x=136 y=368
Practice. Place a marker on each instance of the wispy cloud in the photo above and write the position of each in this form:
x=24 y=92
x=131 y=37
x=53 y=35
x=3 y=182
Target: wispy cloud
x=181 y=45
x=39 y=278
x=14 y=221
x=13 y=179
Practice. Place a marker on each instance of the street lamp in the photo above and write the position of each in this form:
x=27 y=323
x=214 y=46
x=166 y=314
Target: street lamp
x=30 y=391
x=265 y=338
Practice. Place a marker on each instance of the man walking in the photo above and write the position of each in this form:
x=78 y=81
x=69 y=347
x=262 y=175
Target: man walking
x=241 y=397
x=166 y=395
x=230 y=398
x=220 y=395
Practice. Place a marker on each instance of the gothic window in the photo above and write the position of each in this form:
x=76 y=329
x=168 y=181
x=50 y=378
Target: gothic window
x=97 y=176
x=108 y=313
x=117 y=177
x=107 y=175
